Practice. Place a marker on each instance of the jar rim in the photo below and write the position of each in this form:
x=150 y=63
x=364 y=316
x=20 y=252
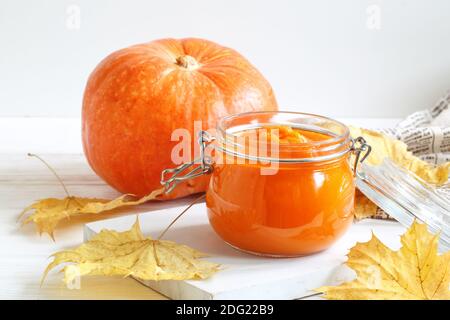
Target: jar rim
x=336 y=145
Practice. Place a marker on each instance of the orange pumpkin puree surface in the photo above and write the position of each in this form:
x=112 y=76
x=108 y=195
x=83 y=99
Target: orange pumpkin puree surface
x=301 y=209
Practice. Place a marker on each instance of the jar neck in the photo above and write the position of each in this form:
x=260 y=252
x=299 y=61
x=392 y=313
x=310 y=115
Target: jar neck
x=254 y=136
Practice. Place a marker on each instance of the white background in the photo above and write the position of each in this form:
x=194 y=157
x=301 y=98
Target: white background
x=320 y=56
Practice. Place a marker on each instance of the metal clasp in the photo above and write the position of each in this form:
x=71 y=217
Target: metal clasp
x=361 y=149
x=171 y=177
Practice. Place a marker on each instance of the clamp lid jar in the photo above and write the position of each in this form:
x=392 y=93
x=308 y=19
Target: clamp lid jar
x=281 y=182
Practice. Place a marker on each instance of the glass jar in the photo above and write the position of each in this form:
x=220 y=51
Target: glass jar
x=279 y=194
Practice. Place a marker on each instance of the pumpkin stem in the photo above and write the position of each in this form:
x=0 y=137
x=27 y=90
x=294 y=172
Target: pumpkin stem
x=187 y=62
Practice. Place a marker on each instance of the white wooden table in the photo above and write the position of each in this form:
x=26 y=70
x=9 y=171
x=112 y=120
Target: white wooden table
x=23 y=253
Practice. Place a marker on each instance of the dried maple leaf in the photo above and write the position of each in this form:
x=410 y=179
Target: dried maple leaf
x=416 y=271
x=366 y=209
x=47 y=213
x=129 y=253
x=384 y=146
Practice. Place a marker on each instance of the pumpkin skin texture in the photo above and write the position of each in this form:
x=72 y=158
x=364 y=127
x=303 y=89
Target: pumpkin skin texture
x=136 y=97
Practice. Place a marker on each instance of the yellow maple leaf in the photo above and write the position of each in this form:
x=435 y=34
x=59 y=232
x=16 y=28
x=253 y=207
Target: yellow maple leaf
x=364 y=208
x=384 y=146
x=129 y=253
x=416 y=271
x=47 y=213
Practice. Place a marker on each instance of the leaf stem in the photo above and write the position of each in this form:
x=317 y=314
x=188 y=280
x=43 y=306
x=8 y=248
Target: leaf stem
x=179 y=216
x=52 y=170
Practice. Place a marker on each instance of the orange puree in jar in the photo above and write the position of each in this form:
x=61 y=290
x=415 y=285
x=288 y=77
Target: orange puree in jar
x=300 y=209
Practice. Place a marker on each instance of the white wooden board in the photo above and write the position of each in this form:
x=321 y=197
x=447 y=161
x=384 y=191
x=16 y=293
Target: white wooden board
x=246 y=276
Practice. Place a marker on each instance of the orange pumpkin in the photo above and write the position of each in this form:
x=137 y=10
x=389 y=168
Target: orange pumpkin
x=136 y=97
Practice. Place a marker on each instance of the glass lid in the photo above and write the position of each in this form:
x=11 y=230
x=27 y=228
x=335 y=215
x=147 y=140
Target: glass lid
x=406 y=197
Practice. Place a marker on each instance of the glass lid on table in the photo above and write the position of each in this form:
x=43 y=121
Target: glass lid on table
x=406 y=197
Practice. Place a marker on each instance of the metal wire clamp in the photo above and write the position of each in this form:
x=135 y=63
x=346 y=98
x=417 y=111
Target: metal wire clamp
x=171 y=177
x=361 y=149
